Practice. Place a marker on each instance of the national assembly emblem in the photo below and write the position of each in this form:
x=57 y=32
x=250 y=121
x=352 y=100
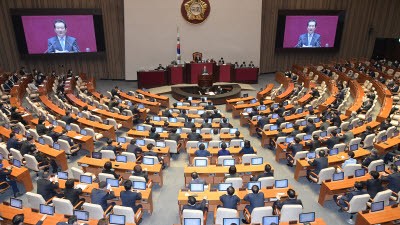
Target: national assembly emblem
x=195 y=11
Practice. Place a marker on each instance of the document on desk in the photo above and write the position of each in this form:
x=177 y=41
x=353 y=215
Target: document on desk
x=81 y=186
x=78 y=137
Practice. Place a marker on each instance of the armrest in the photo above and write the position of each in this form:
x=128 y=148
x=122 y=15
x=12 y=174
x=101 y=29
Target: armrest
x=179 y=146
x=79 y=204
x=108 y=210
x=205 y=218
x=347 y=207
x=247 y=215
x=277 y=211
x=138 y=215
x=149 y=183
x=215 y=214
x=50 y=200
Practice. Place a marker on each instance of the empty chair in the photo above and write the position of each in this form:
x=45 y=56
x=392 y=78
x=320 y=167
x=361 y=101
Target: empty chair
x=247 y=158
x=214 y=144
x=355 y=141
x=379 y=135
x=34 y=200
x=16 y=154
x=290 y=212
x=4 y=152
x=173 y=146
x=350 y=169
x=194 y=214
x=34 y=134
x=324 y=174
x=64 y=145
x=383 y=196
x=330 y=129
x=32 y=164
x=107 y=154
x=75 y=127
x=130 y=157
x=155 y=158
x=205 y=130
x=149 y=141
x=369 y=141
x=114 y=123
x=267 y=181
x=104 y=176
x=222 y=213
x=90 y=132
x=221 y=159
x=224 y=130
x=390 y=131
x=61 y=123
x=63 y=206
x=130 y=216
x=257 y=214
x=48 y=140
x=237 y=182
x=299 y=155
x=95 y=211
x=341 y=147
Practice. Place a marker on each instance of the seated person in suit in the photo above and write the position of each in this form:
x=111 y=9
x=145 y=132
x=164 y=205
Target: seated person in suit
x=366 y=105
x=232 y=172
x=115 y=91
x=291 y=200
x=225 y=124
x=196 y=179
x=137 y=171
x=309 y=39
x=150 y=152
x=166 y=113
x=314 y=143
x=247 y=148
x=295 y=131
x=335 y=120
x=17 y=116
x=53 y=134
x=195 y=206
x=101 y=195
x=293 y=148
x=267 y=173
x=193 y=136
x=202 y=152
x=47 y=186
x=310 y=127
x=19 y=220
x=374 y=185
x=110 y=146
x=216 y=114
x=71 y=193
x=68 y=118
x=321 y=162
x=372 y=157
x=74 y=147
x=223 y=150
x=189 y=123
x=351 y=160
x=129 y=196
x=174 y=136
x=5 y=177
x=256 y=199
x=183 y=114
x=393 y=179
x=153 y=134
x=229 y=200
x=61 y=43
x=108 y=169
x=368 y=131
x=332 y=141
x=385 y=125
x=341 y=199
x=209 y=106
x=13 y=142
x=261 y=123
x=133 y=148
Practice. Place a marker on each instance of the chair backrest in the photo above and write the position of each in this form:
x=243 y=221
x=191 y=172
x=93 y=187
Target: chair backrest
x=259 y=212
x=330 y=129
x=31 y=162
x=34 y=200
x=3 y=151
x=369 y=140
x=390 y=131
x=64 y=145
x=34 y=134
x=113 y=123
x=247 y=158
x=16 y=154
x=137 y=178
x=107 y=154
x=299 y=155
x=127 y=212
x=63 y=206
x=191 y=144
x=130 y=157
x=356 y=140
x=325 y=149
x=383 y=196
x=95 y=211
x=290 y=212
x=104 y=176
x=224 y=130
x=379 y=135
x=237 y=182
x=173 y=146
x=75 y=127
x=341 y=147
x=373 y=164
x=76 y=173
x=205 y=130
x=326 y=174
x=149 y=141
x=280 y=140
x=214 y=144
x=225 y=213
x=349 y=169
x=48 y=140
x=193 y=214
x=267 y=181
x=358 y=203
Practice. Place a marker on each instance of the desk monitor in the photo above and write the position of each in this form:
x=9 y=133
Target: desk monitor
x=140 y=142
x=275 y=116
x=350 y=127
x=41 y=141
x=160 y=144
x=353 y=147
x=334 y=151
x=92 y=118
x=204 y=99
x=116 y=219
x=226 y=143
x=197 y=187
x=68 y=127
x=83 y=132
x=204 y=143
x=1 y=157
x=56 y=146
x=303 y=123
x=289 y=139
x=148 y=160
x=275 y=105
x=233 y=130
x=121 y=139
x=129 y=103
x=112 y=182
x=248 y=110
x=81 y=215
x=139 y=185
x=384 y=138
x=323 y=134
x=190 y=98
x=377 y=206
x=307 y=137
x=316 y=120
x=273 y=127
x=262 y=107
x=396 y=133
x=380 y=168
x=121 y=158
x=179 y=130
x=106 y=122
x=195 y=104
x=307 y=217
x=258 y=118
x=229 y=162
x=230 y=221
x=179 y=104
x=139 y=128
x=285 y=103
x=62 y=175
x=46 y=209
x=310 y=108
x=85 y=179
x=17 y=163
x=192 y=221
x=223 y=186
x=339 y=130
x=281 y=183
x=159 y=129
x=298 y=111
x=200 y=162
x=251 y=184
x=16 y=203
x=96 y=155
x=257 y=161
x=268 y=220
x=397 y=163
x=338 y=176
x=245 y=95
x=253 y=101
x=289 y=125
x=242 y=144
x=140 y=106
x=369 y=119
x=200 y=112
x=198 y=131
x=311 y=155
x=100 y=107
x=173 y=120
x=156 y=118
x=359 y=173
x=80 y=114
x=54 y=123
x=209 y=120
x=222 y=120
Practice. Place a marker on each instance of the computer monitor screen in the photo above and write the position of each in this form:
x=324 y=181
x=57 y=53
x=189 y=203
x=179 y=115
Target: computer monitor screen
x=121 y=158
x=350 y=127
x=307 y=217
x=148 y=161
x=156 y=118
x=229 y=221
x=198 y=131
x=140 y=142
x=323 y=134
x=112 y=182
x=275 y=105
x=190 y=98
x=268 y=220
x=81 y=215
x=274 y=116
x=160 y=144
x=159 y=129
x=229 y=162
x=96 y=155
x=360 y=123
x=384 y=138
x=262 y=107
x=17 y=163
x=68 y=127
x=62 y=175
x=303 y=123
x=173 y=120
x=377 y=206
x=233 y=130
x=273 y=127
x=311 y=155
x=209 y=120
x=223 y=186
x=85 y=179
x=121 y=139
x=289 y=125
x=339 y=130
x=200 y=162
x=281 y=183
x=41 y=141
x=129 y=103
x=117 y=219
x=334 y=151
x=124 y=113
x=307 y=137
x=397 y=163
x=353 y=147
x=139 y=185
x=380 y=168
x=179 y=130
x=16 y=203
x=257 y=161
x=316 y=120
x=106 y=122
x=289 y=139
x=338 y=176
x=222 y=120
x=285 y=103
x=46 y=209
x=248 y=110
x=197 y=187
x=359 y=172
x=258 y=118
x=83 y=132
x=1 y=157
x=192 y=221
x=140 y=128
x=200 y=112
x=204 y=143
x=299 y=111
x=56 y=146
x=54 y=123
x=253 y=101
x=242 y=144
x=140 y=106
x=251 y=184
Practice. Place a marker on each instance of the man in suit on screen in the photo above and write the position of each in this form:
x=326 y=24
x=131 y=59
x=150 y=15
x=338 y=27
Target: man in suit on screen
x=310 y=39
x=61 y=43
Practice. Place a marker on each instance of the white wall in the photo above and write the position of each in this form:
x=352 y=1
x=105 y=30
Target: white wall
x=232 y=31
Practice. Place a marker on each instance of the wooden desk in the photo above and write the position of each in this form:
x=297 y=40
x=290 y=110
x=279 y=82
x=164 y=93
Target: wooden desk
x=214 y=153
x=95 y=166
x=231 y=102
x=164 y=100
x=237 y=109
x=164 y=135
x=381 y=217
x=261 y=94
x=21 y=175
x=286 y=93
x=302 y=165
x=153 y=106
x=318 y=221
x=161 y=152
x=384 y=147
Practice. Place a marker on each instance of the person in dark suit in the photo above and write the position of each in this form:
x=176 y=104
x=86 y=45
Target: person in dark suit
x=336 y=121
x=202 y=152
x=41 y=128
x=310 y=127
x=61 y=43
x=225 y=124
x=133 y=148
x=195 y=206
x=193 y=136
x=71 y=193
x=13 y=142
x=17 y=116
x=374 y=185
x=110 y=146
x=295 y=131
x=314 y=143
x=189 y=123
x=166 y=113
x=256 y=199
x=153 y=134
x=47 y=186
x=27 y=145
x=137 y=171
x=340 y=199
x=368 y=131
x=206 y=125
x=247 y=149
x=67 y=118
x=115 y=91
x=223 y=150
x=372 y=157
x=321 y=162
x=209 y=106
x=291 y=200
x=309 y=39
x=196 y=179
x=19 y=220
x=229 y=200
x=108 y=169
x=129 y=197
x=393 y=179
x=54 y=135
x=183 y=114
x=293 y=149
x=333 y=140
x=72 y=220
x=101 y=195
x=385 y=125
x=232 y=172
x=216 y=114
x=4 y=177
x=267 y=173
x=174 y=136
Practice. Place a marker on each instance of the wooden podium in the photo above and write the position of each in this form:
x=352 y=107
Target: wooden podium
x=205 y=81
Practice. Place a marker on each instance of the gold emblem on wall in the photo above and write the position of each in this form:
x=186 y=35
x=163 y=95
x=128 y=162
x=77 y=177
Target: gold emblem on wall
x=195 y=11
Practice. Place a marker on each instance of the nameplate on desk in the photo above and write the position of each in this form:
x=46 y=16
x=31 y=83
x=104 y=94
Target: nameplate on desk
x=78 y=137
x=84 y=165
